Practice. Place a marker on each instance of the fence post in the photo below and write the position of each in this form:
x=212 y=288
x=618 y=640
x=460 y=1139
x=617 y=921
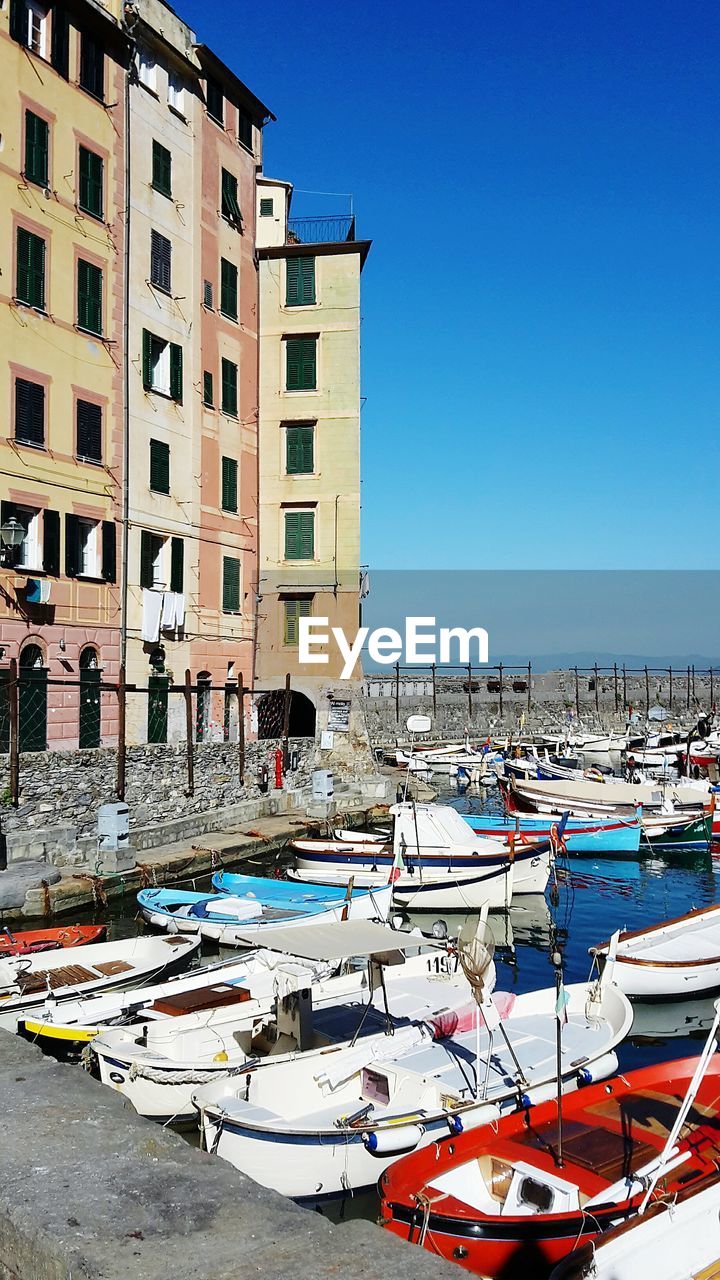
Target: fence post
x=529 y=697
x=286 y=724
x=624 y=688
x=397 y=692
x=616 y=686
x=122 y=696
x=577 y=694
x=469 y=670
x=500 y=669
x=712 y=691
x=670 y=674
x=688 y=689
x=189 y=733
x=647 y=691
x=597 y=692
x=693 y=683
x=14 y=696
x=241 y=729
x=434 y=693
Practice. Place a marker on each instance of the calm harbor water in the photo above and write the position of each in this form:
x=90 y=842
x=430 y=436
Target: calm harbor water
x=589 y=900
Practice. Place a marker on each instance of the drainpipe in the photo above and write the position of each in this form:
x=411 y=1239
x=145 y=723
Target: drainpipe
x=130 y=19
x=256 y=593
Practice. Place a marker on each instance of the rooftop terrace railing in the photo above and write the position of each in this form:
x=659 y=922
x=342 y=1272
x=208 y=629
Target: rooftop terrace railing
x=329 y=230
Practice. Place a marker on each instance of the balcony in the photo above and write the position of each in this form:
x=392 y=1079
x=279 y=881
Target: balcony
x=330 y=230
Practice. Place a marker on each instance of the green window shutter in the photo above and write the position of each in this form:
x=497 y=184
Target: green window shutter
x=177 y=560
x=109 y=551
x=208 y=389
x=36 y=149
x=59 y=54
x=18 y=21
x=89 y=431
x=160 y=261
x=301 y=356
x=300 y=282
x=92 y=66
x=229 y=484
x=228 y=289
x=266 y=207
x=146 y=357
x=176 y=372
x=229 y=387
x=29 y=412
x=299 y=451
x=295 y=609
x=299 y=535
x=90 y=193
x=51 y=542
x=215 y=101
x=30 y=269
x=146 y=559
x=229 y=198
x=245 y=129
x=231 y=585
x=89 y=297
x=72 y=546
x=161 y=169
x=159 y=466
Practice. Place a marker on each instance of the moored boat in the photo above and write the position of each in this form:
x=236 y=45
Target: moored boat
x=581 y=835
x=28 y=941
x=676 y=958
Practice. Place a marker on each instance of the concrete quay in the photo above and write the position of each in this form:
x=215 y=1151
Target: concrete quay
x=91 y=1191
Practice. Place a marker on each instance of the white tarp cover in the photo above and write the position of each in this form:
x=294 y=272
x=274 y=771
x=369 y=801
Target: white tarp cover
x=332 y=941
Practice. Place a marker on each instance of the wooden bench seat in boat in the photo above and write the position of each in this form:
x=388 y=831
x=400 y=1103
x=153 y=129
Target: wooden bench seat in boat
x=213 y=997
x=67 y=975
x=110 y=968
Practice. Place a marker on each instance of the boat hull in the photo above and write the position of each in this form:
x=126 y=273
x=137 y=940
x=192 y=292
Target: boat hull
x=579 y=837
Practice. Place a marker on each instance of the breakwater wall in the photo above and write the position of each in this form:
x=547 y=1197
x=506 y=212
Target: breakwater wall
x=487 y=699
x=89 y=1189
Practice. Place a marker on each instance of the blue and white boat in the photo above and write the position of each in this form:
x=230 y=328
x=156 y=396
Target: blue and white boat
x=582 y=836
x=223 y=917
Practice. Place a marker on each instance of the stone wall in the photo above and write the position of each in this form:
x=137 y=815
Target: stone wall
x=551 y=700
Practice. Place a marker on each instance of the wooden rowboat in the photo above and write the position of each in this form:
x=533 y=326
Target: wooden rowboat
x=677 y=958
x=31 y=940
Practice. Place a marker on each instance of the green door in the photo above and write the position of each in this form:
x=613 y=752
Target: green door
x=32 y=700
x=89 y=708
x=4 y=710
x=157 y=708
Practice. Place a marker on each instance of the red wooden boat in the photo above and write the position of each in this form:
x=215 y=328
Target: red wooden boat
x=499 y=1192
x=31 y=940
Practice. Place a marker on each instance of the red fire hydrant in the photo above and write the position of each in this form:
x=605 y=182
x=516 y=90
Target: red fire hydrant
x=278 y=769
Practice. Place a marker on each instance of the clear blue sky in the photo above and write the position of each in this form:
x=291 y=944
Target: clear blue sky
x=540 y=306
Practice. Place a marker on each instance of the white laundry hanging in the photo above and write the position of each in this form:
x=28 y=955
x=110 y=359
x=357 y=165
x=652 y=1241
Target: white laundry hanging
x=152 y=609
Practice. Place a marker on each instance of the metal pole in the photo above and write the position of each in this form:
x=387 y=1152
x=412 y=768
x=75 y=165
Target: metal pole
x=615 y=680
x=434 y=692
x=577 y=694
x=120 y=787
x=688 y=689
x=14 y=696
x=647 y=691
x=397 y=692
x=500 y=668
x=469 y=670
x=241 y=729
x=557 y=962
x=597 y=694
x=189 y=733
x=624 y=688
x=286 y=724
x=670 y=672
x=529 y=697
x=712 y=690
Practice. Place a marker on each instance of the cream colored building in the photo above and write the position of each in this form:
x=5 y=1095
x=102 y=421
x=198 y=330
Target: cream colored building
x=309 y=440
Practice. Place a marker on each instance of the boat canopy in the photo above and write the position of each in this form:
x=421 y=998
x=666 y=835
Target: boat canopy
x=335 y=940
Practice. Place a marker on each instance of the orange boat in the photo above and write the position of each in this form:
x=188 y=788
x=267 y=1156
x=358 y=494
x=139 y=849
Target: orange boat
x=31 y=940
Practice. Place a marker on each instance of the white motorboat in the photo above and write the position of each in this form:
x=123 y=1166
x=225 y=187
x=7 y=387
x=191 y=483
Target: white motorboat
x=313 y=1128
x=29 y=983
x=156 y=1061
x=580 y=798
x=677 y=958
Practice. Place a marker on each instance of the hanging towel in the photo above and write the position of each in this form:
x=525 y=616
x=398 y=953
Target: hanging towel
x=152 y=608
x=179 y=610
x=167 y=621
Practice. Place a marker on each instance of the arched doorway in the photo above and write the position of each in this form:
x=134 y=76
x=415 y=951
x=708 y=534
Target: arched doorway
x=32 y=699
x=89 y=698
x=157 y=720
x=271 y=715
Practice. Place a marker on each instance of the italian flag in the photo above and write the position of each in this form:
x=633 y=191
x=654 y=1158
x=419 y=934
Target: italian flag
x=397 y=867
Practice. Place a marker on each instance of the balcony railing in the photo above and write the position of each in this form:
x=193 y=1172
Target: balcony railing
x=330 y=230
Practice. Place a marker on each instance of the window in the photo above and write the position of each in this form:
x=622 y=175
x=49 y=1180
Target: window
x=88 y=423
x=92 y=66
x=159 y=466
x=162 y=366
x=215 y=101
x=161 y=561
x=208 y=390
x=300 y=282
x=82 y=547
x=161 y=169
x=229 y=498
x=176 y=94
x=228 y=289
x=160 y=261
x=299 y=535
x=299 y=450
x=29 y=412
x=36 y=149
x=231 y=585
x=89 y=297
x=229 y=388
x=29 y=553
x=30 y=285
x=229 y=206
x=207 y=294
x=245 y=129
x=147 y=70
x=301 y=372
x=36 y=31
x=266 y=207
x=295 y=609
x=90 y=194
